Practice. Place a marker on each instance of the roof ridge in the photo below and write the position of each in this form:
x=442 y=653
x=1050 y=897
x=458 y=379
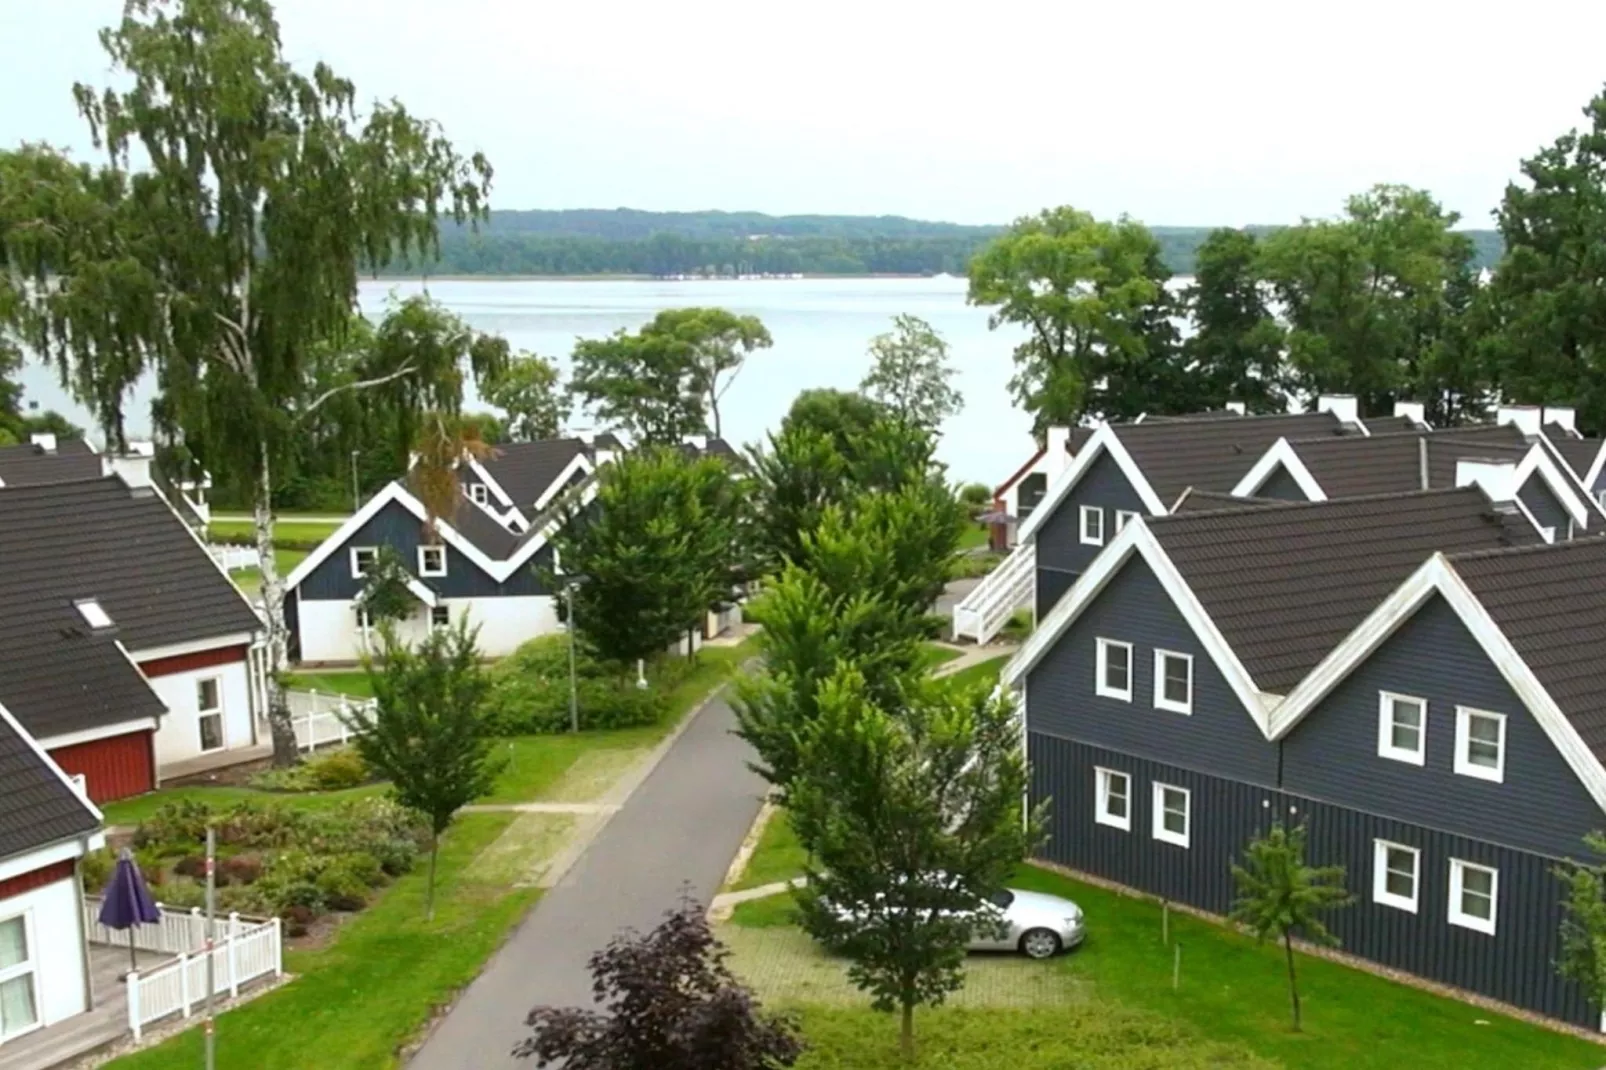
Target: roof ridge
x=1357 y=499
x=1582 y=542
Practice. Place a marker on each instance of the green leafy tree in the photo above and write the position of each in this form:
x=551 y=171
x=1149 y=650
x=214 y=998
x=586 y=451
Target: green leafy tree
x=427 y=733
x=912 y=819
x=656 y=548
x=977 y=498
x=1278 y=895
x=1583 y=924
x=1079 y=287
x=716 y=344
x=843 y=416
x=1237 y=343
x=221 y=244
x=527 y=390
x=1155 y=376
x=911 y=374
x=386 y=594
x=1549 y=342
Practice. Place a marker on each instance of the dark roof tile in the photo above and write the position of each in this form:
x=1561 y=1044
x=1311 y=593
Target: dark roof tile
x=28 y=465
x=36 y=807
x=525 y=470
x=1211 y=454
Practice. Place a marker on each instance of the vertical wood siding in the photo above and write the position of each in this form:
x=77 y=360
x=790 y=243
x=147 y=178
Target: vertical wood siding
x=1537 y=496
x=1281 y=485
x=112 y=768
x=1059 y=540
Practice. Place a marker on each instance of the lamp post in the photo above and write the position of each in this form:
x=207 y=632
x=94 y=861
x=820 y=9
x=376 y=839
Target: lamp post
x=569 y=585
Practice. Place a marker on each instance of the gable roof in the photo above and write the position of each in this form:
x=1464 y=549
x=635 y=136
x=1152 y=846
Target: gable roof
x=38 y=805
x=124 y=548
x=1581 y=454
x=524 y=472
x=1073 y=443
x=27 y=464
x=1194 y=500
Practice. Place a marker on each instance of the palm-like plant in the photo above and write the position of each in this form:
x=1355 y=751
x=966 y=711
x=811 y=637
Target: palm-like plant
x=1278 y=894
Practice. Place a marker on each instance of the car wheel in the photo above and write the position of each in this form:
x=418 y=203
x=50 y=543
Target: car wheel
x=1039 y=944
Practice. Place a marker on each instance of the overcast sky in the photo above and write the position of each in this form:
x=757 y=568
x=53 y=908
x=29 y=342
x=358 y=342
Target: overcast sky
x=1175 y=111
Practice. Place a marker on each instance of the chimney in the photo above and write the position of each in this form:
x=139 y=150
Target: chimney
x=132 y=467
x=1565 y=416
x=1238 y=407
x=1057 y=456
x=1415 y=411
x=1494 y=478
x=45 y=442
x=1344 y=406
x=698 y=442
x=1524 y=418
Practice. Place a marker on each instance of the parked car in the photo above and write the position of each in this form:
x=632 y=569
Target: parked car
x=1039 y=926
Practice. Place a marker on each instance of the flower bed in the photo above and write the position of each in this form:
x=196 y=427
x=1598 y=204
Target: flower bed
x=272 y=859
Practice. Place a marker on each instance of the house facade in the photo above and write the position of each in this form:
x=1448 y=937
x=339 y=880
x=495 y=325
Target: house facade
x=1361 y=667
x=46 y=827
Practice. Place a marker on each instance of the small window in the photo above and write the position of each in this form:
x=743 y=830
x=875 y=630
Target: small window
x=19 y=1001
x=440 y=617
x=362 y=559
x=209 y=712
x=1173 y=681
x=1171 y=816
x=1092 y=525
x=1473 y=895
x=1123 y=517
x=1394 y=874
x=1114 y=803
x=1114 y=670
x=478 y=493
x=1480 y=744
x=365 y=623
x=94 y=614
x=1402 y=727
x=432 y=560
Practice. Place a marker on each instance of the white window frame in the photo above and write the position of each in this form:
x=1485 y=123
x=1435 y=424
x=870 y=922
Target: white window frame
x=94 y=614
x=1163 y=834
x=1088 y=536
x=1101 y=663
x=1123 y=517
x=28 y=967
x=429 y=613
x=202 y=713
x=1458 y=874
x=1103 y=781
x=1380 y=888
x=1161 y=702
x=357 y=571
x=424 y=553
x=479 y=493
x=1385 y=729
x=365 y=622
x=1463 y=738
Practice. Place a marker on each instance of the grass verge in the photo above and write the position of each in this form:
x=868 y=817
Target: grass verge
x=249 y=580
x=358 y=1000
x=777 y=857
x=983 y=673
x=297 y=530
x=935 y=654
x=354 y=683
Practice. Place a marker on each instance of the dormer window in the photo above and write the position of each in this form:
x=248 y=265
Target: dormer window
x=432 y=560
x=478 y=493
x=94 y=614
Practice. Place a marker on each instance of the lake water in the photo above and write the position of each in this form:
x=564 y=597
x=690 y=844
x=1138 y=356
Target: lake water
x=820 y=326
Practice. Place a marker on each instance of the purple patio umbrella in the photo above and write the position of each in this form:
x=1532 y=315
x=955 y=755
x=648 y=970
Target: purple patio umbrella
x=128 y=902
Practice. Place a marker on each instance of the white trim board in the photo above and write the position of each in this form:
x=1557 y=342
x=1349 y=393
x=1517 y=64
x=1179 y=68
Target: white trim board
x=1437 y=576
x=1136 y=538
x=90 y=735
x=173 y=650
x=1104 y=440
x=1281 y=454
x=1567 y=490
x=580 y=464
x=495 y=488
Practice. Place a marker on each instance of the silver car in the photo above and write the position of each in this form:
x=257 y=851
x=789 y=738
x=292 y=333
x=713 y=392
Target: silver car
x=1037 y=925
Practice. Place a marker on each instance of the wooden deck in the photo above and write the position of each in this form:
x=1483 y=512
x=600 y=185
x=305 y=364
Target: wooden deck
x=105 y=1022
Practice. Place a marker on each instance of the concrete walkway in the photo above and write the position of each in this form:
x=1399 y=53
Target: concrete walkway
x=676 y=833
x=975 y=655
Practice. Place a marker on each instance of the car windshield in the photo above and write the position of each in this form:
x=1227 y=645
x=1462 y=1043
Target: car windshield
x=1002 y=898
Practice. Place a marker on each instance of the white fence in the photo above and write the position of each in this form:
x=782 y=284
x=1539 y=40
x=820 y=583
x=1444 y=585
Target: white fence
x=235 y=558
x=320 y=719
x=243 y=950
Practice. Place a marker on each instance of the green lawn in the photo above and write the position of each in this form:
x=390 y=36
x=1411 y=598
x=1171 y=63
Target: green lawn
x=983 y=672
x=975 y=536
x=1231 y=1010
x=778 y=856
x=935 y=654
x=249 y=580
x=354 y=683
x=358 y=1000
x=244 y=530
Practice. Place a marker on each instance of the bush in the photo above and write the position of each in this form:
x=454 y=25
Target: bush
x=95 y=871
x=530 y=690
x=365 y=867
x=193 y=866
x=297 y=919
x=1019 y=627
x=395 y=856
x=333 y=771
x=177 y=825
x=239 y=869
x=341 y=888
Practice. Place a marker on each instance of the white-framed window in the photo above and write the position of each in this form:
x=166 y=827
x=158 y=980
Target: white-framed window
x=1474 y=895
x=440 y=617
x=365 y=623
x=1396 y=870
x=1480 y=744
x=94 y=614
x=1402 y=727
x=1172 y=813
x=432 y=560
x=479 y=493
x=362 y=559
x=1173 y=681
x=1114 y=669
x=1092 y=517
x=209 y=711
x=1113 y=804
x=1123 y=517
x=19 y=998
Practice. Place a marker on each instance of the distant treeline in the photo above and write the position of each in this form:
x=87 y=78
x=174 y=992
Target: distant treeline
x=629 y=242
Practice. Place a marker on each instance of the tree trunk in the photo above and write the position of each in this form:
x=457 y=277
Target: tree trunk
x=429 y=887
x=906 y=1033
x=285 y=752
x=1293 y=984
x=713 y=407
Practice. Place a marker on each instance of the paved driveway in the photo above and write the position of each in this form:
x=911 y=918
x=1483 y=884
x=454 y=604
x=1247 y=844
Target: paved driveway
x=683 y=825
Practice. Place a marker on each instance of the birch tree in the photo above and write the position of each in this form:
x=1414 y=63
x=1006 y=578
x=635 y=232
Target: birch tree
x=221 y=242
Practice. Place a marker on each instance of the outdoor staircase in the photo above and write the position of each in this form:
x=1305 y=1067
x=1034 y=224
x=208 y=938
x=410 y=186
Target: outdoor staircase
x=984 y=611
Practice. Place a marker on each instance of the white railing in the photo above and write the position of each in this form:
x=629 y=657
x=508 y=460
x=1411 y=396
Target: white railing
x=319 y=719
x=178 y=932
x=240 y=955
x=983 y=612
x=234 y=558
